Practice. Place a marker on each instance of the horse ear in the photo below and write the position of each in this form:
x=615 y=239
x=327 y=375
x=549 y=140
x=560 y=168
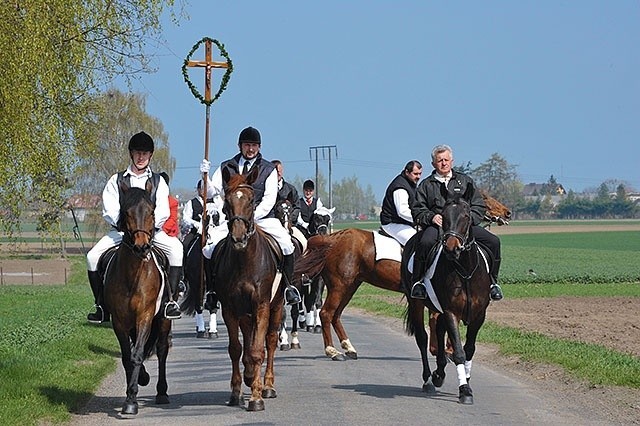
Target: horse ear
x=226 y=174
x=331 y=210
x=149 y=186
x=253 y=175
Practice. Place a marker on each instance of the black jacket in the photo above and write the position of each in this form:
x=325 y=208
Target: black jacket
x=266 y=167
x=430 y=199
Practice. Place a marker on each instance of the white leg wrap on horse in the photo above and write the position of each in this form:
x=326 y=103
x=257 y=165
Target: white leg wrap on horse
x=467 y=368
x=294 y=338
x=309 y=318
x=462 y=375
x=213 y=322
x=317 y=317
x=347 y=346
x=199 y=322
x=284 y=337
x=330 y=351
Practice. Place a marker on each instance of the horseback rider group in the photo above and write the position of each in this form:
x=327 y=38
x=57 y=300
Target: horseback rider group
x=426 y=201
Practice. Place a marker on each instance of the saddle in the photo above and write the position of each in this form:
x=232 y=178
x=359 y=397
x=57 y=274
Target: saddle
x=107 y=257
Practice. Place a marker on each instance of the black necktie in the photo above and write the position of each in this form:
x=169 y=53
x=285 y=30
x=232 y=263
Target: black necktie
x=245 y=168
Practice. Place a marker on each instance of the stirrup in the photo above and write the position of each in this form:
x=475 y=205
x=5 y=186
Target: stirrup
x=166 y=309
x=97 y=317
x=296 y=295
x=419 y=290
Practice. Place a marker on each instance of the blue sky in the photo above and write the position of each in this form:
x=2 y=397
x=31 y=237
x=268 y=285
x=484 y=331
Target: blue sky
x=551 y=86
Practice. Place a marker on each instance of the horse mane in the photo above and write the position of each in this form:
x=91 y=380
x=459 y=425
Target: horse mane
x=131 y=197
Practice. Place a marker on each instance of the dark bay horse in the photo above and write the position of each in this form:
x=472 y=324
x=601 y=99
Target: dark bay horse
x=243 y=271
x=133 y=293
x=460 y=286
x=346 y=259
x=193 y=266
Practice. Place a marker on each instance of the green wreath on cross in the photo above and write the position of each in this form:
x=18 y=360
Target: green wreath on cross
x=225 y=77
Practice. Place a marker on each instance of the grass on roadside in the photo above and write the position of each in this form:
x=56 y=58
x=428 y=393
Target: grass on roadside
x=594 y=363
x=51 y=359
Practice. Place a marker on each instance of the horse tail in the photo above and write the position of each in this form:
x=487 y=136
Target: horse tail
x=409 y=325
x=191 y=300
x=312 y=261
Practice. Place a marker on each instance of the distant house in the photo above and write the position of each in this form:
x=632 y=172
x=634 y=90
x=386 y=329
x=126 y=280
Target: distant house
x=81 y=204
x=541 y=189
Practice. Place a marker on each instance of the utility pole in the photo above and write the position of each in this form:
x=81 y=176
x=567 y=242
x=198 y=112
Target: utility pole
x=326 y=152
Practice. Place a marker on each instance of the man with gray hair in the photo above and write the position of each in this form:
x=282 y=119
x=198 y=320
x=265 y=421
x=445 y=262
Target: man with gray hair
x=427 y=213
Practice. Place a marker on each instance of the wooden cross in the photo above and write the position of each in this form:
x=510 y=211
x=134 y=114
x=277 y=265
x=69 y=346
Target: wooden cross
x=208 y=64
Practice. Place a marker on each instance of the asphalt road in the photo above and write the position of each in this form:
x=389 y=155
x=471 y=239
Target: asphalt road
x=382 y=387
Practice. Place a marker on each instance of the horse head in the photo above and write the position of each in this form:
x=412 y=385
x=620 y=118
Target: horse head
x=320 y=221
x=137 y=219
x=496 y=211
x=239 y=206
x=284 y=213
x=456 y=224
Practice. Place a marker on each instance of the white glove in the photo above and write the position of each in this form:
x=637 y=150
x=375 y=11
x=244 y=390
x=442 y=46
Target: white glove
x=305 y=225
x=198 y=227
x=205 y=166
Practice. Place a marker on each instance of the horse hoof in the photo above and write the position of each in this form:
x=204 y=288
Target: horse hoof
x=235 y=400
x=296 y=346
x=428 y=388
x=257 y=405
x=143 y=378
x=284 y=347
x=309 y=329
x=302 y=325
x=213 y=335
x=437 y=379
x=317 y=329
x=201 y=335
x=130 y=408
x=351 y=355
x=466 y=400
x=269 y=393
x=338 y=357
x=162 y=399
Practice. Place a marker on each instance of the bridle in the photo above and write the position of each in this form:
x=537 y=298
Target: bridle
x=249 y=223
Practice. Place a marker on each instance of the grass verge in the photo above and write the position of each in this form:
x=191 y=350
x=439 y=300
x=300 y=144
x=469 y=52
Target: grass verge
x=51 y=359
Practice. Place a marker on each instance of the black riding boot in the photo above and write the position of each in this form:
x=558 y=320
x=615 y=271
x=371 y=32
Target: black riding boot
x=419 y=289
x=171 y=308
x=101 y=314
x=291 y=294
x=495 y=291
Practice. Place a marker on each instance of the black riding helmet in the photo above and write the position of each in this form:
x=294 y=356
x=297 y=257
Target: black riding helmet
x=141 y=142
x=308 y=184
x=250 y=135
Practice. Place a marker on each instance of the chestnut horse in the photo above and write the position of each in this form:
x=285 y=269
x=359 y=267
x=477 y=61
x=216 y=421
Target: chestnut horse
x=243 y=272
x=134 y=283
x=346 y=259
x=459 y=291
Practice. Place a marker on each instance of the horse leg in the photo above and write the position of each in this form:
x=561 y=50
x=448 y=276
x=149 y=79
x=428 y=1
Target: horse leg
x=283 y=337
x=416 y=319
x=326 y=320
x=254 y=356
x=162 y=351
x=336 y=321
x=269 y=390
x=213 y=323
x=235 y=350
x=465 y=394
x=295 y=313
x=470 y=345
x=130 y=405
x=318 y=287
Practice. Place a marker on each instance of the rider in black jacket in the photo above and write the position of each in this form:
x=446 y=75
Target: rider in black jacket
x=427 y=209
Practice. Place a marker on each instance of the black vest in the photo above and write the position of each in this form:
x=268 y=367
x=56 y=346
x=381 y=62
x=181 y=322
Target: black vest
x=126 y=181
x=306 y=210
x=266 y=167
x=389 y=213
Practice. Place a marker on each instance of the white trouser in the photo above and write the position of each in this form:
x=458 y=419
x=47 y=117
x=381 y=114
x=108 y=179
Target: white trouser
x=270 y=225
x=171 y=246
x=400 y=232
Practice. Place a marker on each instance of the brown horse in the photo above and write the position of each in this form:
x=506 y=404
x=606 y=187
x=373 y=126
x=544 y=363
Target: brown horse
x=346 y=259
x=460 y=292
x=243 y=272
x=133 y=287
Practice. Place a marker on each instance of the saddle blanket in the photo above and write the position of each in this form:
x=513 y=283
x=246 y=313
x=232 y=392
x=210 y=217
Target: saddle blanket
x=386 y=247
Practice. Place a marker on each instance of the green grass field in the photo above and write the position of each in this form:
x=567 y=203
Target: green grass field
x=51 y=360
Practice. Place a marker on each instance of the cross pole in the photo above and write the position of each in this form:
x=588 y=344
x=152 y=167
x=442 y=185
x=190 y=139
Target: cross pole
x=208 y=64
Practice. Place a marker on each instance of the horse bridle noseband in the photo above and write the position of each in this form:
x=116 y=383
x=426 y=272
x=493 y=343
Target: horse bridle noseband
x=129 y=242
x=248 y=223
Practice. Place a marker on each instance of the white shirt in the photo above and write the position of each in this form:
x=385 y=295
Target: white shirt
x=401 y=201
x=111 y=197
x=187 y=214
